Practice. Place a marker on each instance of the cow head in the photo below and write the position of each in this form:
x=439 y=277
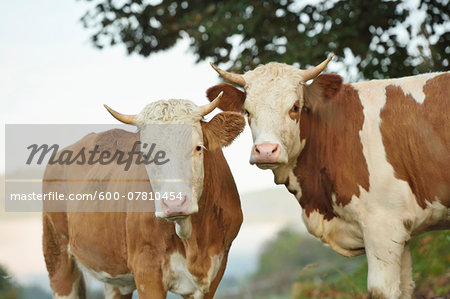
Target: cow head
x=183 y=181
x=275 y=96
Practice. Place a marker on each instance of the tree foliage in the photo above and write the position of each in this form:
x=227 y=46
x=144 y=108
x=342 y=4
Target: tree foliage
x=379 y=38
x=8 y=289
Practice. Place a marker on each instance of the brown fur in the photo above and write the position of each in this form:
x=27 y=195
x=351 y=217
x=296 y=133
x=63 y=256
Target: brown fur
x=222 y=129
x=140 y=243
x=323 y=88
x=408 y=223
x=417 y=139
x=332 y=160
x=232 y=98
x=61 y=267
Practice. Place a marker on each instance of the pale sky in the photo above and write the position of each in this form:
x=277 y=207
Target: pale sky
x=51 y=74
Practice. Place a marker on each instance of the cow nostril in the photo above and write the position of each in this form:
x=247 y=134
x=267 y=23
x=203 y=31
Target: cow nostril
x=257 y=150
x=275 y=149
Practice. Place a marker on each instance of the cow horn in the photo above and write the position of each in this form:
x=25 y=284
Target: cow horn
x=205 y=109
x=233 y=78
x=315 y=71
x=127 y=119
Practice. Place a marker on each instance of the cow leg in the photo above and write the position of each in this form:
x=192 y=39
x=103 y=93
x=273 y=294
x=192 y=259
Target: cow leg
x=151 y=291
x=384 y=244
x=149 y=283
x=113 y=292
x=406 y=279
x=66 y=280
x=216 y=281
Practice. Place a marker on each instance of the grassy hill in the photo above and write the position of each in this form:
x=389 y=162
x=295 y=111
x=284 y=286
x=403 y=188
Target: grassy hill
x=295 y=265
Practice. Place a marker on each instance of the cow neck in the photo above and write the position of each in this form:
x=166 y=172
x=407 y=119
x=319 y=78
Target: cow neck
x=331 y=164
x=219 y=218
x=220 y=200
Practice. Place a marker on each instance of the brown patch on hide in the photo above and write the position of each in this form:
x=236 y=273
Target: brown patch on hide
x=332 y=161
x=416 y=138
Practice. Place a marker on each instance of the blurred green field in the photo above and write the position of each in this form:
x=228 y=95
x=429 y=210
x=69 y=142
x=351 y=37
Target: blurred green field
x=294 y=265
x=431 y=272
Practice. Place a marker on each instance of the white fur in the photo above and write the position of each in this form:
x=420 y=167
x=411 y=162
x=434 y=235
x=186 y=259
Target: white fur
x=183 y=228
x=124 y=282
x=171 y=111
x=182 y=282
x=159 y=123
x=109 y=291
x=294 y=185
x=410 y=85
x=270 y=121
x=112 y=291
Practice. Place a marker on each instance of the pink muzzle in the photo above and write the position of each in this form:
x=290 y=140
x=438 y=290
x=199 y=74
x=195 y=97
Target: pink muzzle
x=266 y=153
x=175 y=207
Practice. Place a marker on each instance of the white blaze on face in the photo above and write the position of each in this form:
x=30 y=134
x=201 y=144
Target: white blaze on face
x=173 y=129
x=272 y=91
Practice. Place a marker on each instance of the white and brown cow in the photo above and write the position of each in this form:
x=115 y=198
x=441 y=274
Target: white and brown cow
x=368 y=162
x=140 y=250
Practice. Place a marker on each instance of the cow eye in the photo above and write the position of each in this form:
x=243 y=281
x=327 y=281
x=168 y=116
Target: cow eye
x=247 y=113
x=295 y=108
x=294 y=113
x=199 y=148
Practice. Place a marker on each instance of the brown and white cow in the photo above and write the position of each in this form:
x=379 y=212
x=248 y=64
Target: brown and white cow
x=368 y=162
x=138 y=250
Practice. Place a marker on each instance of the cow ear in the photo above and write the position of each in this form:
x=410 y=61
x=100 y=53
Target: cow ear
x=232 y=99
x=222 y=129
x=323 y=88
